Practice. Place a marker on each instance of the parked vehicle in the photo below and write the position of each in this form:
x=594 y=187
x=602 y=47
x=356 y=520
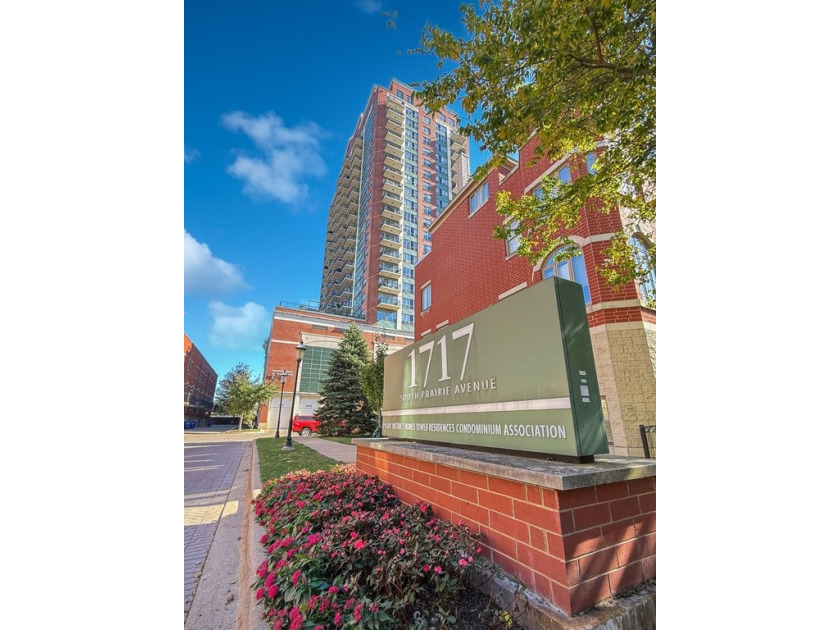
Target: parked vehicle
x=305 y=425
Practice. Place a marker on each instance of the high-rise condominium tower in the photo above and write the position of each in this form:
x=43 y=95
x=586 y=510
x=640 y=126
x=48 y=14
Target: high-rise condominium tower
x=402 y=166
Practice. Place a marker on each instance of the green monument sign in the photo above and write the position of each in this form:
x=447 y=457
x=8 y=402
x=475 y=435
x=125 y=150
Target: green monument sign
x=518 y=375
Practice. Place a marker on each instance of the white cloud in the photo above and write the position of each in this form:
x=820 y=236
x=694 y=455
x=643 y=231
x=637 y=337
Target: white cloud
x=288 y=156
x=368 y=6
x=203 y=273
x=238 y=328
x=190 y=155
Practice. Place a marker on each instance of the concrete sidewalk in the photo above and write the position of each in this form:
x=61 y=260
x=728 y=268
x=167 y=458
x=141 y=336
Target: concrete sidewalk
x=341 y=452
x=224 y=599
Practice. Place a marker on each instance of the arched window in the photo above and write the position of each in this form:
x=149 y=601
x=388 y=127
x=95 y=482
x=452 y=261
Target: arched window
x=573 y=269
x=647 y=283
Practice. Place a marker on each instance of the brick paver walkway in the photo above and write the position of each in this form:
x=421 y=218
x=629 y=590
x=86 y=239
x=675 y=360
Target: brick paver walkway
x=209 y=469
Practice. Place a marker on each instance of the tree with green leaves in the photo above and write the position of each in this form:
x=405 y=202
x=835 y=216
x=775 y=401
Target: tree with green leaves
x=343 y=407
x=373 y=380
x=239 y=393
x=579 y=74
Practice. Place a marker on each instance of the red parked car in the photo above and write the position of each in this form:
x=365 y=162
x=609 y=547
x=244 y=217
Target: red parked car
x=305 y=425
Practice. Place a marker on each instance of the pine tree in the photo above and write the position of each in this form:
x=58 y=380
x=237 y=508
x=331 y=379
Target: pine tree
x=343 y=407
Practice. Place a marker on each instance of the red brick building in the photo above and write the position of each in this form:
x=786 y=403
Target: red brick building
x=468 y=269
x=199 y=384
x=321 y=333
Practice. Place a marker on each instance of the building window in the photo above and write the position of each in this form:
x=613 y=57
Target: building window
x=565 y=175
x=384 y=317
x=573 y=269
x=479 y=198
x=590 y=162
x=426 y=249
x=647 y=283
x=513 y=239
x=426 y=297
x=314 y=369
x=400 y=94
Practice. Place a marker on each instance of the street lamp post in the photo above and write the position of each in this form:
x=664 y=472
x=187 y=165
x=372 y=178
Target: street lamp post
x=281 y=374
x=301 y=350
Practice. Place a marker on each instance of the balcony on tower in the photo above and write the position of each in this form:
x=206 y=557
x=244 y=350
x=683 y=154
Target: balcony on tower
x=389 y=285
x=393 y=162
x=389 y=240
x=391 y=213
x=393 y=174
x=393 y=149
x=392 y=124
x=394 y=111
x=392 y=199
x=392 y=136
x=392 y=227
x=389 y=254
x=390 y=302
x=391 y=187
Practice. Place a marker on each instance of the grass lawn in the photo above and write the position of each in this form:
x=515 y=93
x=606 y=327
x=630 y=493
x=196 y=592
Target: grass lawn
x=275 y=462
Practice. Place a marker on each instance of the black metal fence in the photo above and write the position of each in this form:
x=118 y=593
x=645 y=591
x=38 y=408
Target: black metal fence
x=648 y=433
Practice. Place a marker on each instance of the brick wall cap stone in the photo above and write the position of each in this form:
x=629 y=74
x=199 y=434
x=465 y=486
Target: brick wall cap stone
x=537 y=471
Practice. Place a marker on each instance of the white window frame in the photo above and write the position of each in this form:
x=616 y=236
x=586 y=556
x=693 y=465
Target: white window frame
x=510 y=240
x=424 y=306
x=479 y=197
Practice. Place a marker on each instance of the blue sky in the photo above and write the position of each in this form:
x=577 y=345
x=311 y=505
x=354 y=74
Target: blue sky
x=272 y=92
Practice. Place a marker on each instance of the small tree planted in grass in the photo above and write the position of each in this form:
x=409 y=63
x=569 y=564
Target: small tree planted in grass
x=239 y=393
x=373 y=380
x=343 y=407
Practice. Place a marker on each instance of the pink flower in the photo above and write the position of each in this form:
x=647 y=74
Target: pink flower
x=360 y=544
x=295 y=577
x=426 y=567
x=270 y=579
x=272 y=592
x=260 y=593
x=337 y=619
x=295 y=619
x=332 y=590
x=438 y=570
x=462 y=562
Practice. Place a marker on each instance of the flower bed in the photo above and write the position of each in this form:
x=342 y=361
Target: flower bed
x=343 y=551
